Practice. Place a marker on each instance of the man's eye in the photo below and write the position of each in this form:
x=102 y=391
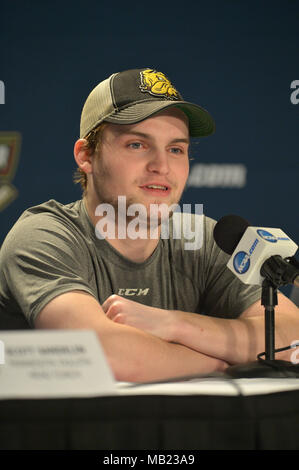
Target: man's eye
x=135 y=145
x=176 y=150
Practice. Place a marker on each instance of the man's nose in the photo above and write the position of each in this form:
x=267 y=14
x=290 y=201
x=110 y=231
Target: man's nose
x=158 y=162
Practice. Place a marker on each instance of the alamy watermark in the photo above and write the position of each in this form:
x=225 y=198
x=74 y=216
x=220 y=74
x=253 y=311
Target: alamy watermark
x=295 y=94
x=2 y=353
x=2 y=92
x=136 y=222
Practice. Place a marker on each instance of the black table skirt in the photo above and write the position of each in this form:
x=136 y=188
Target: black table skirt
x=152 y=422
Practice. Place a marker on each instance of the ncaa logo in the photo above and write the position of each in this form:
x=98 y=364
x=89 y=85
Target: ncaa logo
x=267 y=236
x=241 y=262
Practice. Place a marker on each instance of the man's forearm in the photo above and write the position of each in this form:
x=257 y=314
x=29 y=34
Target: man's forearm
x=231 y=340
x=136 y=356
x=234 y=340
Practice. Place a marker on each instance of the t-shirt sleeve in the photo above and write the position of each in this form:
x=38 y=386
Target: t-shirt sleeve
x=224 y=294
x=42 y=258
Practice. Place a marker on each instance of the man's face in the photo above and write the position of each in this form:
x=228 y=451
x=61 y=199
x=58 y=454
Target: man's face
x=147 y=162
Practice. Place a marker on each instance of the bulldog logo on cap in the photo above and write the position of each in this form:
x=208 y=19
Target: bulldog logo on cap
x=157 y=84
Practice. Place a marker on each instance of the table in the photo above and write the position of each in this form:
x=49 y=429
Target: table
x=233 y=415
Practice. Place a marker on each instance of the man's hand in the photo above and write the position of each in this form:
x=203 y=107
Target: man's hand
x=155 y=321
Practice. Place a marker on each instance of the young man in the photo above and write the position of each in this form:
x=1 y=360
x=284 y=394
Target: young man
x=160 y=310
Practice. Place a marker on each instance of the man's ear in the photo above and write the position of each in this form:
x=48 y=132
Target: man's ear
x=82 y=156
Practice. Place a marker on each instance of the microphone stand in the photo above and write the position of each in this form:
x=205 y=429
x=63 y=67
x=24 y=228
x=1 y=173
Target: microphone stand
x=277 y=272
x=269 y=301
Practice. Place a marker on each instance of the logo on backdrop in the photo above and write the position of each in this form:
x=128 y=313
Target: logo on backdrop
x=212 y=175
x=10 y=143
x=295 y=94
x=2 y=92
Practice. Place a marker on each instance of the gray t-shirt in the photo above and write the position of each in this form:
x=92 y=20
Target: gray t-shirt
x=53 y=249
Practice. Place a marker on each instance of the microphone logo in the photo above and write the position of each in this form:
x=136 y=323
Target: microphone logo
x=267 y=236
x=241 y=262
x=242 y=259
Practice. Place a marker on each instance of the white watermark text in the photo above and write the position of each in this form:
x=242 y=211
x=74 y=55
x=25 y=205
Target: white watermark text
x=2 y=92
x=295 y=94
x=137 y=222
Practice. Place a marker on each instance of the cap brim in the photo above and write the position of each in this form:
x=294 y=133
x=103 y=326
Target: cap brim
x=201 y=122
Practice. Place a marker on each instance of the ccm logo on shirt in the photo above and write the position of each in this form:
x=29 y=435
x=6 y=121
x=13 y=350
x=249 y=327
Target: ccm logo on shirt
x=133 y=291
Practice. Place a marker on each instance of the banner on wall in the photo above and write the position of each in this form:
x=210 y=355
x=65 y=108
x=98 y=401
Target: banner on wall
x=10 y=144
x=216 y=175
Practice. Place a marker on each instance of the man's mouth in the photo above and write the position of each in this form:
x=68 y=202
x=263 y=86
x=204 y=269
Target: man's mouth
x=161 y=189
x=157 y=186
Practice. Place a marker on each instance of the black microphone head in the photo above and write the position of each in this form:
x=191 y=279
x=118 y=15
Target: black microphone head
x=228 y=232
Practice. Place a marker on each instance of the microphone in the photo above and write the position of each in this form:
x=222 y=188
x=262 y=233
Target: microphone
x=260 y=256
x=257 y=252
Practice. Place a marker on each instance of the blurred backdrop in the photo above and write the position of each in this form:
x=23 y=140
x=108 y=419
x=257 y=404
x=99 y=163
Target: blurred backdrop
x=238 y=59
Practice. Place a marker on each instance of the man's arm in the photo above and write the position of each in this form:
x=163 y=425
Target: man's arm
x=134 y=355
x=240 y=340
x=232 y=340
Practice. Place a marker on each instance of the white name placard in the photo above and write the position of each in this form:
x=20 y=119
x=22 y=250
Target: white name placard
x=53 y=364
